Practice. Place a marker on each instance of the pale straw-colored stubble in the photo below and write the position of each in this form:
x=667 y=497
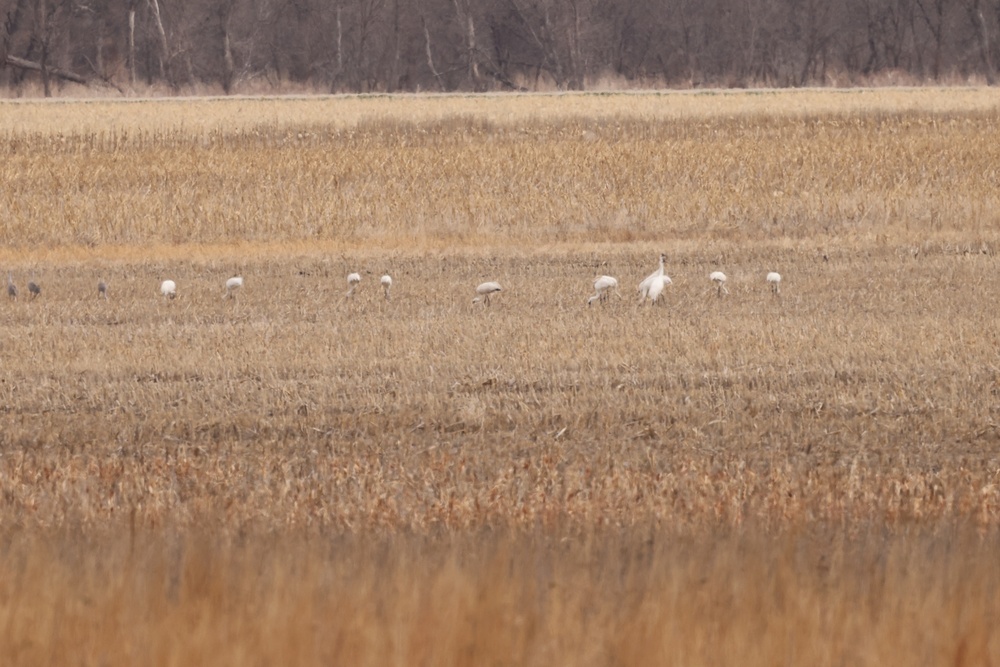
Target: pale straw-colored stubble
x=202 y=117
x=292 y=359
x=505 y=453
x=462 y=182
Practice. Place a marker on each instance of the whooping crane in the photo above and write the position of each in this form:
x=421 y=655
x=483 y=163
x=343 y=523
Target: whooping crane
x=168 y=288
x=386 y=285
x=774 y=280
x=102 y=290
x=647 y=282
x=602 y=286
x=656 y=287
x=484 y=290
x=719 y=278
x=352 y=281
x=232 y=285
x=11 y=287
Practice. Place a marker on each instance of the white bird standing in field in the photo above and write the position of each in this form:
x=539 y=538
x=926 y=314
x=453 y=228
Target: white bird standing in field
x=168 y=288
x=647 y=283
x=386 y=285
x=774 y=280
x=603 y=285
x=484 y=290
x=656 y=287
x=352 y=282
x=232 y=286
x=102 y=290
x=719 y=278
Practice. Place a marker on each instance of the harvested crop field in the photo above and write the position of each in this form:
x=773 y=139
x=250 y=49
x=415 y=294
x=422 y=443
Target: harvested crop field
x=288 y=475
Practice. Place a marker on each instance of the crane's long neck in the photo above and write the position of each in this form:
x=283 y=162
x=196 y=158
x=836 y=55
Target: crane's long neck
x=661 y=265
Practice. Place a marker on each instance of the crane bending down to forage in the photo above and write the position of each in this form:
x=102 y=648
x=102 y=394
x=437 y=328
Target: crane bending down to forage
x=102 y=290
x=719 y=278
x=774 y=280
x=386 y=285
x=232 y=286
x=656 y=287
x=647 y=282
x=603 y=286
x=33 y=289
x=168 y=288
x=11 y=287
x=484 y=290
x=352 y=282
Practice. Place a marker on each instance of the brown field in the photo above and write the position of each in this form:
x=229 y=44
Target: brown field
x=291 y=477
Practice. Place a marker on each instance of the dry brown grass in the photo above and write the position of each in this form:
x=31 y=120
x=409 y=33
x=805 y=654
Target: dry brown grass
x=292 y=477
x=609 y=596
x=552 y=176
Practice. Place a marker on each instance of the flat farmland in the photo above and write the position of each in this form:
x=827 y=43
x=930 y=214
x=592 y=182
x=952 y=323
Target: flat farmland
x=293 y=476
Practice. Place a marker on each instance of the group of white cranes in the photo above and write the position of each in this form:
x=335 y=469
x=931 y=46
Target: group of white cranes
x=354 y=279
x=168 y=288
x=651 y=287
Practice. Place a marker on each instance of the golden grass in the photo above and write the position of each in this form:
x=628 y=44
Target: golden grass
x=607 y=597
x=293 y=477
x=203 y=116
x=853 y=179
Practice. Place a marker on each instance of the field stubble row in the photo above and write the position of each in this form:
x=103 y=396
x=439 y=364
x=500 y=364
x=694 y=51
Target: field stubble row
x=866 y=389
x=467 y=182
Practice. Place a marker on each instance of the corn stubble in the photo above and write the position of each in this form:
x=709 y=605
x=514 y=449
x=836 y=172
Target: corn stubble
x=292 y=477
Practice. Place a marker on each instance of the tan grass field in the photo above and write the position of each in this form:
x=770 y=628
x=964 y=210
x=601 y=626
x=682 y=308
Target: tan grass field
x=291 y=477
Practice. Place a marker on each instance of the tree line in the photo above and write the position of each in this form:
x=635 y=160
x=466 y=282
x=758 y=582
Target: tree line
x=481 y=45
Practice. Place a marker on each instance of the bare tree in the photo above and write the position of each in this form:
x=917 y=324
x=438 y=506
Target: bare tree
x=430 y=54
x=982 y=33
x=467 y=27
x=931 y=13
x=164 y=58
x=228 y=65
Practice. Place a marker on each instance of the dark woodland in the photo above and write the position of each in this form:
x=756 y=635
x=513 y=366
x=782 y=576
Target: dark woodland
x=240 y=46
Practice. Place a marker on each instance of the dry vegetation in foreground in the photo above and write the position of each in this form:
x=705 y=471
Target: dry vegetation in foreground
x=291 y=477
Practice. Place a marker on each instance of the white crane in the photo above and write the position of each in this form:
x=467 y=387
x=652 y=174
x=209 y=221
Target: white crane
x=603 y=285
x=168 y=288
x=102 y=290
x=484 y=290
x=774 y=280
x=11 y=287
x=232 y=286
x=646 y=286
x=719 y=278
x=648 y=280
x=656 y=287
x=352 y=282
x=386 y=285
